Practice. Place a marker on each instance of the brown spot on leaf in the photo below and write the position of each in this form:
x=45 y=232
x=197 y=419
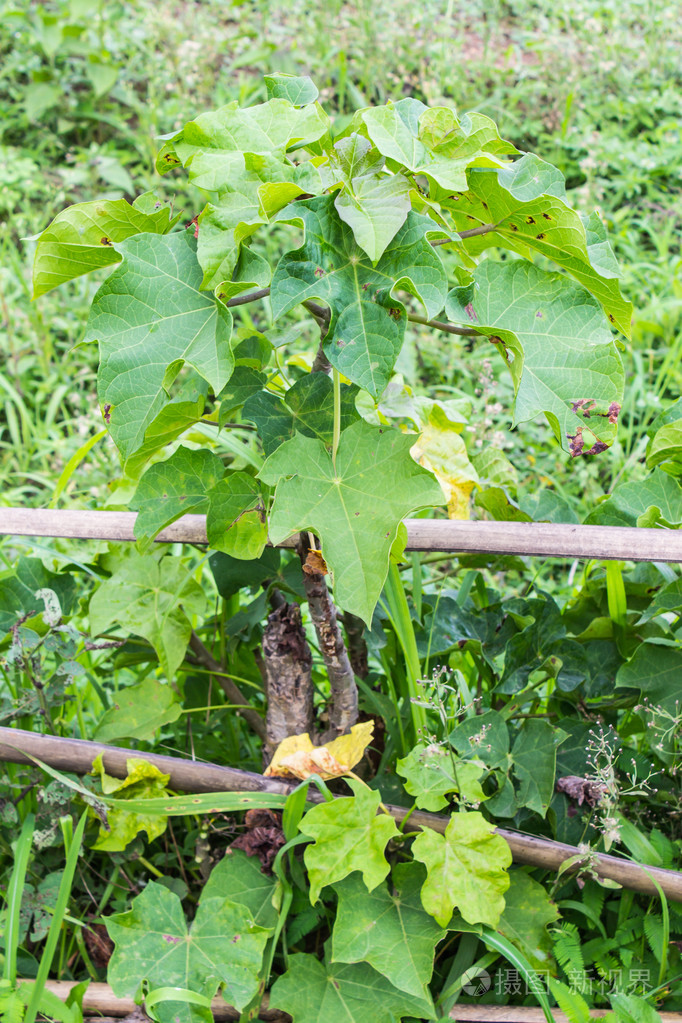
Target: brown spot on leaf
x=470 y=311
x=513 y=227
x=541 y=237
x=105 y=241
x=585 y=406
x=107 y=414
x=546 y=216
x=614 y=412
x=577 y=443
x=172 y=939
x=530 y=220
x=611 y=317
x=495 y=340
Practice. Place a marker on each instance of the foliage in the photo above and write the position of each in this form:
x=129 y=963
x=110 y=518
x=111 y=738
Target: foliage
x=547 y=701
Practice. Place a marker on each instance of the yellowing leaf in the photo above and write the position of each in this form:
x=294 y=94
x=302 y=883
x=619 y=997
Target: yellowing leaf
x=441 y=450
x=143 y=781
x=297 y=757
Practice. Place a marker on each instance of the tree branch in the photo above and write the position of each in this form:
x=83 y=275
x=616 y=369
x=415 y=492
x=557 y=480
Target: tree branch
x=449 y=328
x=230 y=688
x=343 y=710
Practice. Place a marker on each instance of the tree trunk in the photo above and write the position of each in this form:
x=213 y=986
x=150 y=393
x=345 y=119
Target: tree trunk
x=288 y=678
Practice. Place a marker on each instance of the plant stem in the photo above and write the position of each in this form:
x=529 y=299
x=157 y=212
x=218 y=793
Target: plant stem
x=399 y=614
x=230 y=688
x=252 y=296
x=343 y=710
x=449 y=328
x=336 y=379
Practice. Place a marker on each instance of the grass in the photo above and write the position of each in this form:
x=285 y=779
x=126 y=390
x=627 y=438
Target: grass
x=592 y=86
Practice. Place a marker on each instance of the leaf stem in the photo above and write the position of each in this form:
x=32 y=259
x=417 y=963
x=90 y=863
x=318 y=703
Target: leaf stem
x=336 y=435
x=449 y=328
x=251 y=296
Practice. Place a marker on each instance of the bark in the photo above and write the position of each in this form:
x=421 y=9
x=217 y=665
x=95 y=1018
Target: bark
x=343 y=708
x=357 y=648
x=230 y=688
x=288 y=677
x=77 y=755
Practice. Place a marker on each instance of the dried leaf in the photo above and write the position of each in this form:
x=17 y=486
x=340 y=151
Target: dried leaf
x=297 y=757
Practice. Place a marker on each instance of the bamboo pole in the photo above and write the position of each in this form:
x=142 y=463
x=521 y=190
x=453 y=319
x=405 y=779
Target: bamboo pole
x=78 y=754
x=101 y=999
x=542 y=539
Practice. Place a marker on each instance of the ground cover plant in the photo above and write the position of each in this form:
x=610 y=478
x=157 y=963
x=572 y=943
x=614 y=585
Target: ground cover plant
x=482 y=688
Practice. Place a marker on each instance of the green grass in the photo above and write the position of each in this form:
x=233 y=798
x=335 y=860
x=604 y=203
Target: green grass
x=593 y=86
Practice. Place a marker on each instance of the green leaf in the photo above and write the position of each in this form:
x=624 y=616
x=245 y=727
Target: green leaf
x=367 y=324
x=153 y=944
x=669 y=598
x=656 y=671
x=466 y=870
x=86 y=237
x=348 y=505
x=295 y=89
x=149 y=599
x=544 y=224
x=348 y=835
x=307 y=408
x=433 y=772
x=170 y=489
x=151 y=320
x=530 y=177
x=138 y=711
x=666 y=447
x=239 y=878
x=232 y=575
x=527 y=913
x=314 y=993
x=534 y=759
x=374 y=206
x=181 y=412
x=388 y=930
x=143 y=781
x=242 y=385
x=633 y=1009
x=653 y=501
x=236 y=523
x=443 y=145
x=561 y=351
x=18 y=589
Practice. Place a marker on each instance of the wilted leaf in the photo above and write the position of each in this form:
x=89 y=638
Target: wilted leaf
x=18 y=589
x=297 y=757
x=143 y=781
x=442 y=451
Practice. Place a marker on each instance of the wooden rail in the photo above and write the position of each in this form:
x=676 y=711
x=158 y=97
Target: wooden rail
x=77 y=755
x=100 y=998
x=543 y=539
